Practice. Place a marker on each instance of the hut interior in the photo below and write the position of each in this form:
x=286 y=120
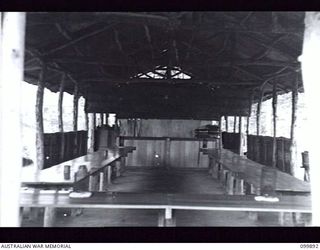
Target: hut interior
x=171 y=79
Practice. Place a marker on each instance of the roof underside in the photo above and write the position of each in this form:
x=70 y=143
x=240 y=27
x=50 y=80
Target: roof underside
x=129 y=63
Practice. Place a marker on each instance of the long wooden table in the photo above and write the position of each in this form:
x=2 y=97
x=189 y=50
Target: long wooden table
x=251 y=172
x=53 y=177
x=166 y=203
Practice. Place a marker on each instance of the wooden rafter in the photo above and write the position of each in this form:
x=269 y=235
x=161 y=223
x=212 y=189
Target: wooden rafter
x=77 y=40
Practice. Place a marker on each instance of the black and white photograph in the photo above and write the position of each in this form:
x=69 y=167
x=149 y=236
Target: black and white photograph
x=159 y=119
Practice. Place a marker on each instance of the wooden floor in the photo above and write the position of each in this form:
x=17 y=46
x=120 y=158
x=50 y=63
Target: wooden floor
x=157 y=180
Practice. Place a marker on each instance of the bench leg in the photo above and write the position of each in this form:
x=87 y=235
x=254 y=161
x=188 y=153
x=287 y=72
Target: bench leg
x=161 y=219
x=170 y=220
x=239 y=187
x=215 y=170
x=166 y=218
x=49 y=216
x=118 y=168
x=230 y=182
x=109 y=169
x=101 y=182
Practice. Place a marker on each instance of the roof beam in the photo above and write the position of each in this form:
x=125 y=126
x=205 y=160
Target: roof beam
x=64 y=45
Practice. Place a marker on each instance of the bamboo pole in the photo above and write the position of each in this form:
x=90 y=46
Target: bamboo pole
x=60 y=103
x=226 y=119
x=75 y=118
x=293 y=143
x=60 y=111
x=240 y=136
x=259 y=112
x=94 y=121
x=91 y=132
x=101 y=119
x=11 y=75
x=311 y=76
x=220 y=133
x=39 y=120
x=75 y=107
x=274 y=112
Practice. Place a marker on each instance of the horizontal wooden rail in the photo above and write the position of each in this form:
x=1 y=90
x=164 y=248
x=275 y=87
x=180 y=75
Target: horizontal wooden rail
x=165 y=138
x=161 y=201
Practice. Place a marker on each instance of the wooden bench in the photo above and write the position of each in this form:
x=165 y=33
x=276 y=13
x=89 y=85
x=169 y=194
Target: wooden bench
x=236 y=171
x=165 y=203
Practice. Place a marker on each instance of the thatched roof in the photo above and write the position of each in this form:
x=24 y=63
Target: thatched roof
x=196 y=65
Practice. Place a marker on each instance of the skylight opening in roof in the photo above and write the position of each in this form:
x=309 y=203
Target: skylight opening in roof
x=161 y=73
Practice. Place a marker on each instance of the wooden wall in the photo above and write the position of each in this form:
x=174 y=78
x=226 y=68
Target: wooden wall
x=182 y=153
x=260 y=150
x=160 y=128
x=52 y=147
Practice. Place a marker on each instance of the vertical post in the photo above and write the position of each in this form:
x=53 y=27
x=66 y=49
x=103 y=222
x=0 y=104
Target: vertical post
x=11 y=76
x=101 y=119
x=240 y=136
x=220 y=133
x=293 y=143
x=86 y=117
x=234 y=124
x=75 y=119
x=226 y=119
x=60 y=111
x=75 y=108
x=39 y=120
x=311 y=76
x=60 y=103
x=167 y=152
x=274 y=112
x=94 y=121
x=258 y=112
x=91 y=133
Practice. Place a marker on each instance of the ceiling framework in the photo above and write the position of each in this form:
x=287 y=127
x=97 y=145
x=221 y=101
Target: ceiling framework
x=175 y=65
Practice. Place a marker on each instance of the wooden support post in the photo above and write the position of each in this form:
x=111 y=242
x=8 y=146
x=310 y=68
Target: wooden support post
x=94 y=121
x=91 y=133
x=49 y=217
x=167 y=152
x=227 y=125
x=101 y=119
x=293 y=143
x=60 y=103
x=240 y=136
x=39 y=120
x=86 y=117
x=259 y=112
x=234 y=124
x=60 y=112
x=274 y=112
x=75 y=118
x=12 y=39
x=220 y=134
x=311 y=76
x=75 y=108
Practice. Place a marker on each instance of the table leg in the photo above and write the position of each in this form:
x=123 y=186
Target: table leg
x=109 y=174
x=49 y=216
x=101 y=182
x=230 y=182
x=239 y=189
